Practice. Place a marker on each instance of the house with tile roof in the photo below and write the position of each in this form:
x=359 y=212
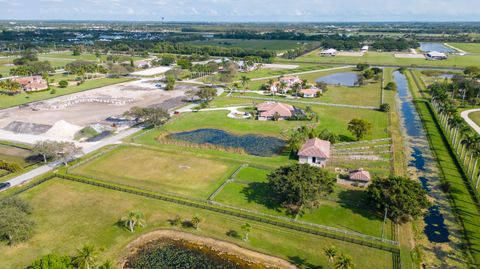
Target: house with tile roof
x=274 y=110
x=315 y=152
x=32 y=83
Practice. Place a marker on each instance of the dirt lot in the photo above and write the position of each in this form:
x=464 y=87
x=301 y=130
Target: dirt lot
x=92 y=106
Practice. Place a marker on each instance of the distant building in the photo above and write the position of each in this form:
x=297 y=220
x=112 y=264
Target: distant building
x=360 y=176
x=142 y=64
x=364 y=48
x=288 y=80
x=310 y=93
x=315 y=152
x=270 y=110
x=32 y=83
x=329 y=53
x=435 y=55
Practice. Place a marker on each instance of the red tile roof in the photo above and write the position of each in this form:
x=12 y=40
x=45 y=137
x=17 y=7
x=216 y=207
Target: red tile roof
x=310 y=91
x=32 y=83
x=268 y=109
x=360 y=175
x=315 y=148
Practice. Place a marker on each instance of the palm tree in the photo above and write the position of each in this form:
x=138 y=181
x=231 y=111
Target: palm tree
x=463 y=130
x=86 y=257
x=282 y=86
x=476 y=154
x=331 y=253
x=468 y=141
x=473 y=150
x=296 y=87
x=196 y=222
x=244 y=80
x=246 y=229
x=344 y=262
x=133 y=219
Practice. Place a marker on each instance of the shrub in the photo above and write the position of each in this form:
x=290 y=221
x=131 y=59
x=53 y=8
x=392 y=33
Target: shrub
x=63 y=83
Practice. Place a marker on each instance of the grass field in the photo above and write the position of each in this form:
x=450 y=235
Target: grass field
x=467 y=47
x=333 y=118
x=180 y=174
x=387 y=58
x=345 y=209
x=475 y=116
x=277 y=45
x=23 y=98
x=69 y=215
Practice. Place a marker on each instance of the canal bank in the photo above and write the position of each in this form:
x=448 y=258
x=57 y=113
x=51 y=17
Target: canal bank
x=439 y=233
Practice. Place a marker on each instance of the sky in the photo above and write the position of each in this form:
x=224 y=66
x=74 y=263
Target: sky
x=242 y=10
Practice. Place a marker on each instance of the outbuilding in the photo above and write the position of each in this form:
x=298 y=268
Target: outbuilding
x=315 y=152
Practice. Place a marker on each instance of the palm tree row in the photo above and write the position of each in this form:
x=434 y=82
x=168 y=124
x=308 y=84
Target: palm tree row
x=464 y=141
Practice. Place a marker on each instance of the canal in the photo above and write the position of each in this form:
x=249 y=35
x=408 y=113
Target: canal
x=422 y=164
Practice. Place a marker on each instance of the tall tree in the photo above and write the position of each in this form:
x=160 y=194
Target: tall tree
x=300 y=185
x=402 y=197
x=359 y=128
x=153 y=116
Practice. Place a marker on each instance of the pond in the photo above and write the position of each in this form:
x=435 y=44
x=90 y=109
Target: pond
x=435 y=228
x=252 y=144
x=429 y=46
x=168 y=253
x=342 y=78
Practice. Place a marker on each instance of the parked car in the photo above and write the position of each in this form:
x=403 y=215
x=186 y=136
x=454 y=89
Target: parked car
x=4 y=185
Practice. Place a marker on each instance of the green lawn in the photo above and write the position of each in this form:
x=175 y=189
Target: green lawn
x=13 y=154
x=387 y=58
x=333 y=118
x=23 y=98
x=69 y=215
x=467 y=47
x=180 y=174
x=475 y=116
x=278 y=45
x=462 y=201
x=346 y=209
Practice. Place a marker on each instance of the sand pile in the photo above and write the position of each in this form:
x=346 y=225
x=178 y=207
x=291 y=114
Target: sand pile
x=63 y=130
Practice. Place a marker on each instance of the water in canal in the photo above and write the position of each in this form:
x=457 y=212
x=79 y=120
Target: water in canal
x=422 y=164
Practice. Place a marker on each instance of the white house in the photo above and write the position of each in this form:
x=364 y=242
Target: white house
x=364 y=48
x=435 y=55
x=288 y=80
x=315 y=152
x=329 y=53
x=310 y=93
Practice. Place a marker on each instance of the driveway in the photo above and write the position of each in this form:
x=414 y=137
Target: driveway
x=469 y=121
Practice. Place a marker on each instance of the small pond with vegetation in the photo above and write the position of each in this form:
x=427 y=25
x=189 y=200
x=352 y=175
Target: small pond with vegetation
x=252 y=144
x=342 y=78
x=168 y=253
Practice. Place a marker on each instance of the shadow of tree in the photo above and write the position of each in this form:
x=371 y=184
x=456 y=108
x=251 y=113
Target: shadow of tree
x=261 y=193
x=356 y=201
x=301 y=263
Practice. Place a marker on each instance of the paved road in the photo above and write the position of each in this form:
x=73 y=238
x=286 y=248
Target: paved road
x=469 y=121
x=87 y=149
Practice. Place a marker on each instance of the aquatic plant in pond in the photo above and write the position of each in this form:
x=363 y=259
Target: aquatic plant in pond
x=167 y=253
x=253 y=144
x=342 y=78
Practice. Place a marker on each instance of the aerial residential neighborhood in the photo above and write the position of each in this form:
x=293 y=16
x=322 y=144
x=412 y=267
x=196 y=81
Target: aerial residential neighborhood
x=239 y=134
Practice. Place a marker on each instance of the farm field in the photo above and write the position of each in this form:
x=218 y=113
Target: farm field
x=23 y=98
x=96 y=211
x=278 y=45
x=387 y=58
x=467 y=47
x=179 y=174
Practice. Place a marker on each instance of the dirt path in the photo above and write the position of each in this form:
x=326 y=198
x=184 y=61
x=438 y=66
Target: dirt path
x=218 y=245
